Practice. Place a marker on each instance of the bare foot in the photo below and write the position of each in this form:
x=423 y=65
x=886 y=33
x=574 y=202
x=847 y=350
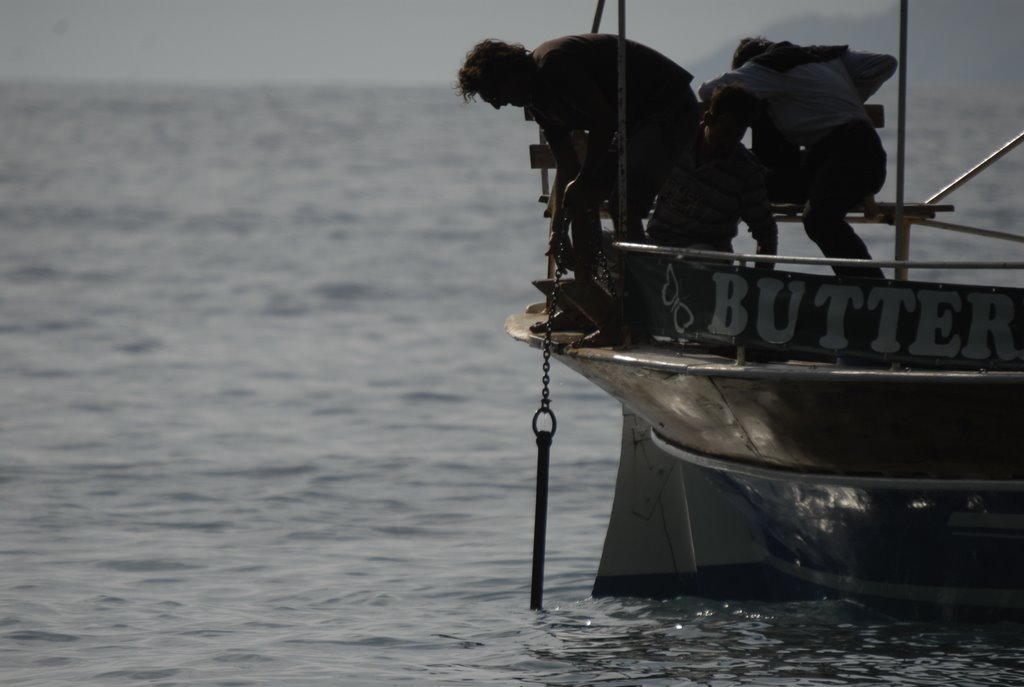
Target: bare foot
x=606 y=337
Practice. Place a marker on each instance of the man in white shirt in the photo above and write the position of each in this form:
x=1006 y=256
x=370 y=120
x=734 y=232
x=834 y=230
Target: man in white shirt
x=814 y=96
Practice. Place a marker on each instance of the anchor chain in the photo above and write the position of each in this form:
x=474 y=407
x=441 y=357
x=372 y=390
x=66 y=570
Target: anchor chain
x=544 y=436
x=605 y=273
x=562 y=228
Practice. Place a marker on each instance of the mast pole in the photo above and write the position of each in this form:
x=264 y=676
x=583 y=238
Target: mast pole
x=597 y=17
x=621 y=231
x=902 y=226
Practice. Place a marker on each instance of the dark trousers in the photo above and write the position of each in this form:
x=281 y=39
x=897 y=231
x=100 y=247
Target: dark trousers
x=841 y=170
x=846 y=166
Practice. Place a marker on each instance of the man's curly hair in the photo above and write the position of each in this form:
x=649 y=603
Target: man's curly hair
x=488 y=62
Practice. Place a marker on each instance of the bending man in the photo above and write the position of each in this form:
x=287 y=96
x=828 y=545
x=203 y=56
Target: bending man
x=571 y=83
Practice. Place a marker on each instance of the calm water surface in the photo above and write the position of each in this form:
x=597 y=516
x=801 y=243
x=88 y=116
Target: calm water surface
x=260 y=424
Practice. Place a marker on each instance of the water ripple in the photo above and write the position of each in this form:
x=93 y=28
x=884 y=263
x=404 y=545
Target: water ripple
x=147 y=565
x=38 y=636
x=140 y=674
x=243 y=658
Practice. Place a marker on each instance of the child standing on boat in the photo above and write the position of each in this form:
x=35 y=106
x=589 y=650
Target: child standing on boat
x=721 y=183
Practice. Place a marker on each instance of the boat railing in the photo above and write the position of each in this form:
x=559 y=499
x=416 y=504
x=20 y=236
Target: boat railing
x=922 y=214
x=961 y=181
x=900 y=215
x=719 y=257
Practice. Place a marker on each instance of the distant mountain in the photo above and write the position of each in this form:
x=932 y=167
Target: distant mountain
x=950 y=42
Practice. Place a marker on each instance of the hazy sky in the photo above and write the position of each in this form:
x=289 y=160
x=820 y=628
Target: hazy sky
x=376 y=41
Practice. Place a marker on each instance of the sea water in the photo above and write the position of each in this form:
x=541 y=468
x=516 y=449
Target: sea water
x=260 y=423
